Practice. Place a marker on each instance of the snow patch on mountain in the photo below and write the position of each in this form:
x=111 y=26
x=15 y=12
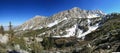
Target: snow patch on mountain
x=93 y=16
x=80 y=34
x=31 y=27
x=56 y=22
x=70 y=32
x=52 y=24
x=90 y=29
x=40 y=27
x=26 y=27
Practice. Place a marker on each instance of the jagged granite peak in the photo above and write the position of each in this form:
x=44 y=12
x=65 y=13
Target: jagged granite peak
x=78 y=13
x=39 y=22
x=75 y=9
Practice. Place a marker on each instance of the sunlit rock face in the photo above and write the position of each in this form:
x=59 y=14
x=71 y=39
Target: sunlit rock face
x=73 y=22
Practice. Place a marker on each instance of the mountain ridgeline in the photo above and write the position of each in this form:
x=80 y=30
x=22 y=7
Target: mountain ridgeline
x=70 y=31
x=69 y=23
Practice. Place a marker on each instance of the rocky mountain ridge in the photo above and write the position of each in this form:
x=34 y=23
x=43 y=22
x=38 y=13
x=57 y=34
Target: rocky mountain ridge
x=73 y=22
x=38 y=22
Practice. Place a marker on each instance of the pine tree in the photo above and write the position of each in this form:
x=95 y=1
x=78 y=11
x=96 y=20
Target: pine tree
x=1 y=30
x=10 y=26
x=11 y=33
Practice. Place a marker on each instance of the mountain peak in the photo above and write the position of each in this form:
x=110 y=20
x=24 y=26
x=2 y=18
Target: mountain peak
x=75 y=8
x=99 y=11
x=39 y=16
x=41 y=21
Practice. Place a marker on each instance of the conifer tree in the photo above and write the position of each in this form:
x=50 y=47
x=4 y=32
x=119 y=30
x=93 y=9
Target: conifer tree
x=1 y=30
x=11 y=33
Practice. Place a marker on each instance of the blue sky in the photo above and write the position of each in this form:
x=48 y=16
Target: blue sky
x=18 y=11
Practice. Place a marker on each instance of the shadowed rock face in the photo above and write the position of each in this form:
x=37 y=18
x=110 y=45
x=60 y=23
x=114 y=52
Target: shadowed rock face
x=106 y=39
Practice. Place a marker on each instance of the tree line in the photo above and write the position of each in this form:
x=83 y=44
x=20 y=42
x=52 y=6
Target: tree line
x=10 y=31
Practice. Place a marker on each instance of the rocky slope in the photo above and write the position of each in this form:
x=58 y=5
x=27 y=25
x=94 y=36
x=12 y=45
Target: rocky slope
x=34 y=23
x=105 y=39
x=69 y=23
